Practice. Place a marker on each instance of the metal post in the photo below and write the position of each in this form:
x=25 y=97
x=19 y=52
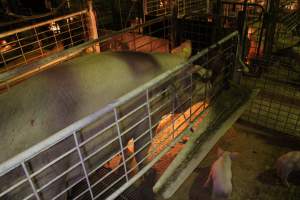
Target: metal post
x=92 y=25
x=82 y=165
x=121 y=144
x=271 y=26
x=30 y=181
x=21 y=48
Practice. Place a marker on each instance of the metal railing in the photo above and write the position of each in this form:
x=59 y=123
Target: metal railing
x=73 y=161
x=27 y=44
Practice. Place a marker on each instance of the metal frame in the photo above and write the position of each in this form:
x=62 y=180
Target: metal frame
x=27 y=44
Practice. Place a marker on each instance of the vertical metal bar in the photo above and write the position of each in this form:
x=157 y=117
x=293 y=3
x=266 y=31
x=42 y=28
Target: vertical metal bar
x=69 y=30
x=83 y=26
x=83 y=166
x=4 y=62
x=191 y=98
x=55 y=38
x=21 y=48
x=149 y=114
x=30 y=181
x=121 y=144
x=39 y=41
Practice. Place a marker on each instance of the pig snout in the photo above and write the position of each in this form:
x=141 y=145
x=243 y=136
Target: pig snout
x=286 y=164
x=220 y=175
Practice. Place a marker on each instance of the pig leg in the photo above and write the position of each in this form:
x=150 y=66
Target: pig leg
x=218 y=193
x=206 y=184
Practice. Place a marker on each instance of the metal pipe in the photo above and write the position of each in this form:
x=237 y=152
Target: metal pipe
x=30 y=181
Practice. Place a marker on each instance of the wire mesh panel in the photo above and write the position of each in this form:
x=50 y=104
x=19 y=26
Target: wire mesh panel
x=77 y=161
x=24 y=45
x=287 y=33
x=277 y=106
x=184 y=7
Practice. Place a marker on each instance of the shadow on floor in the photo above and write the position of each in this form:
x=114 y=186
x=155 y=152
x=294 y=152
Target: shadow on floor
x=269 y=177
x=197 y=191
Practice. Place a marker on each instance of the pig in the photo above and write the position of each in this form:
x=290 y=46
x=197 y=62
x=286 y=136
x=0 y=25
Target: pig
x=220 y=175
x=286 y=164
x=43 y=104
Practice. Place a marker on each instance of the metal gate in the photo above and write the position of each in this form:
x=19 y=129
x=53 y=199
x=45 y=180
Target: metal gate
x=276 y=109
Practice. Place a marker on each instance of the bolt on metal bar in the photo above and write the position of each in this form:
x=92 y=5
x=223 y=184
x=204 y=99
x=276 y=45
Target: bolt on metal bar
x=30 y=181
x=120 y=141
x=83 y=165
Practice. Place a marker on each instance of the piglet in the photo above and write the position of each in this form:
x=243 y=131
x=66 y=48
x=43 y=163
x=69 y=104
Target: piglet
x=286 y=164
x=220 y=175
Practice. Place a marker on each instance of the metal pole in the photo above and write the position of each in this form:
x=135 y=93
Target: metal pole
x=82 y=165
x=30 y=182
x=121 y=143
x=92 y=26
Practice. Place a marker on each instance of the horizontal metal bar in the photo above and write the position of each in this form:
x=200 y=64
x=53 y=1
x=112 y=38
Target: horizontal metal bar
x=106 y=175
x=101 y=148
x=29 y=196
x=103 y=163
x=68 y=188
x=53 y=162
x=131 y=112
x=13 y=187
x=134 y=126
x=8 y=33
x=58 y=177
x=138 y=151
x=97 y=134
x=97 y=196
x=161 y=106
x=81 y=194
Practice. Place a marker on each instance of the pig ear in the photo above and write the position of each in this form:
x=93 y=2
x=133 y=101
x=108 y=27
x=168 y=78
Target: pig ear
x=220 y=151
x=234 y=155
